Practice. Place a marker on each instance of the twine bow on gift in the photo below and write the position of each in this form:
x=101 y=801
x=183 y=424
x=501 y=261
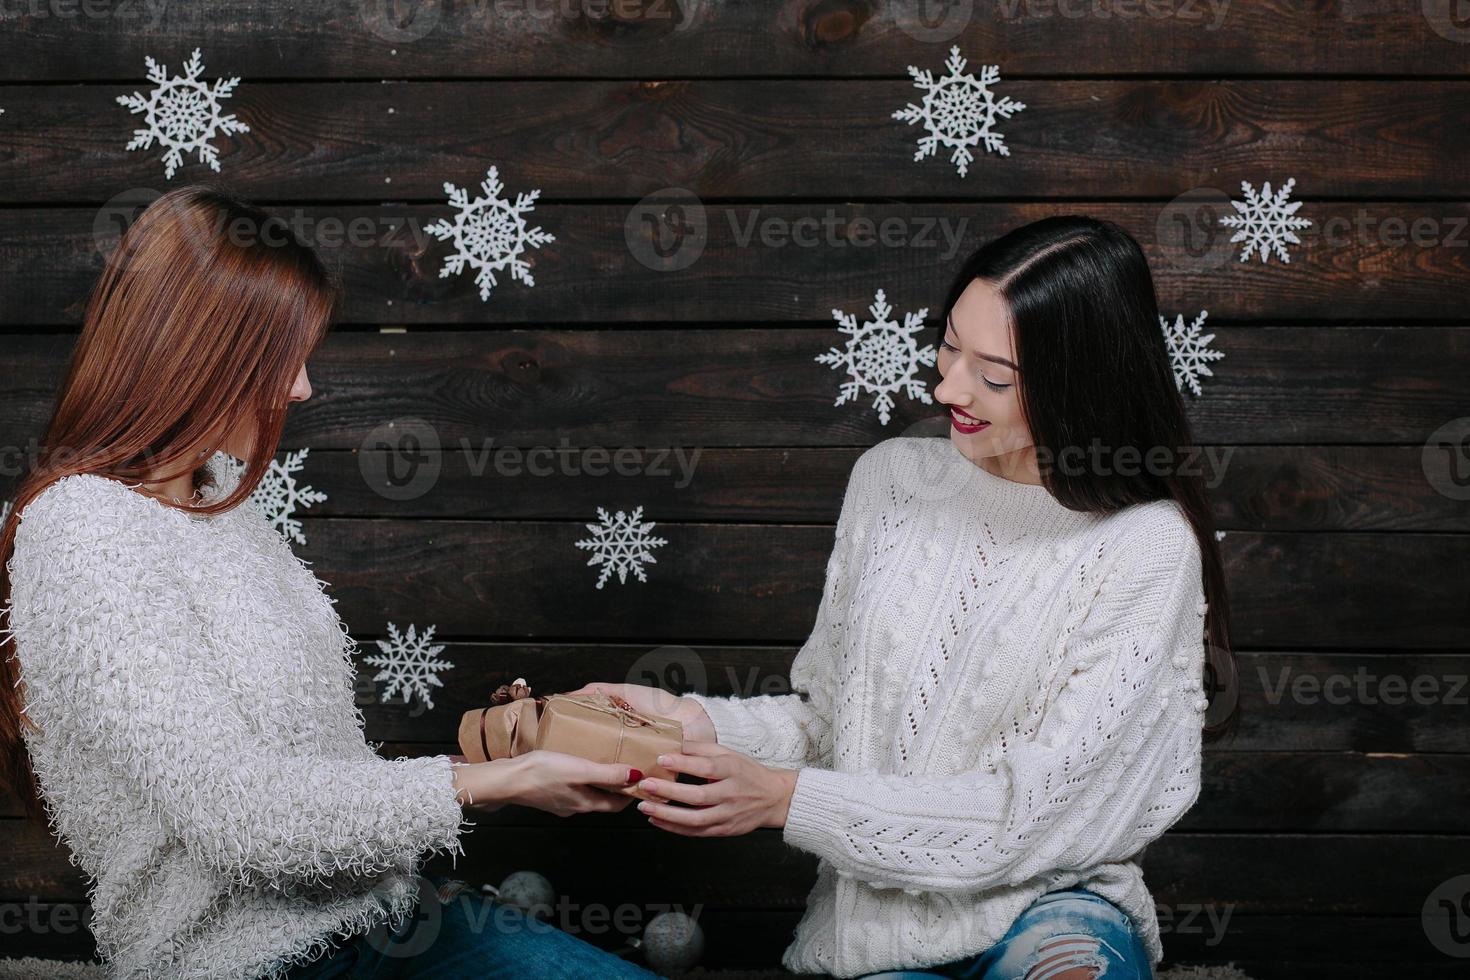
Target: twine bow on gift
x=614 y=705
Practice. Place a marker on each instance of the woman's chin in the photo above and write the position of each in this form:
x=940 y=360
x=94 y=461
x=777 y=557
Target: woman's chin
x=973 y=447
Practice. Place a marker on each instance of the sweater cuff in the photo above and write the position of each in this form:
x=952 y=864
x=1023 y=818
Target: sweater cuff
x=814 y=821
x=736 y=726
x=433 y=814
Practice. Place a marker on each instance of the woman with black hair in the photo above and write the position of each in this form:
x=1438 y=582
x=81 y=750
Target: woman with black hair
x=1003 y=699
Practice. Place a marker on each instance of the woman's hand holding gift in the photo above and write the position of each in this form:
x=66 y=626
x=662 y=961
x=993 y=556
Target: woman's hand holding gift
x=653 y=701
x=741 y=795
x=552 y=781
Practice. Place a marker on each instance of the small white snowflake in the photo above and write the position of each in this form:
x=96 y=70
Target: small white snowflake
x=1189 y=353
x=621 y=544
x=182 y=113
x=278 y=496
x=1266 y=221
x=881 y=356
x=959 y=111
x=409 y=663
x=490 y=233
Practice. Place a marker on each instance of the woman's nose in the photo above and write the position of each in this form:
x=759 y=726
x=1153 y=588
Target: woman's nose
x=947 y=392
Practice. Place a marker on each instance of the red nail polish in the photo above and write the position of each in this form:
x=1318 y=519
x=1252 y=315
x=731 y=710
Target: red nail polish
x=635 y=775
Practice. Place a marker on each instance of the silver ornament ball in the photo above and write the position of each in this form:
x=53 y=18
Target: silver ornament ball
x=528 y=891
x=672 y=941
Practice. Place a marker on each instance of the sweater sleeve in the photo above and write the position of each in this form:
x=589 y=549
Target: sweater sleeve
x=1114 y=762
x=795 y=730
x=114 y=661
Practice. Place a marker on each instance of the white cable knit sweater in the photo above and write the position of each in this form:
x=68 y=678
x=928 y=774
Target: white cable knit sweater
x=200 y=750
x=1000 y=697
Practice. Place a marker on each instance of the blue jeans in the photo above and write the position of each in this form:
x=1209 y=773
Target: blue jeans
x=457 y=933
x=1069 y=930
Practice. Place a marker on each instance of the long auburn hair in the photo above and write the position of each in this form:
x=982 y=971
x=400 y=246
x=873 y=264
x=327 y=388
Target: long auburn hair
x=200 y=322
x=1094 y=366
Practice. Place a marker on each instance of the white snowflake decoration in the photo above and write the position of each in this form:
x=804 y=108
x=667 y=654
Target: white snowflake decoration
x=490 y=233
x=182 y=113
x=410 y=665
x=1189 y=353
x=881 y=357
x=621 y=544
x=278 y=496
x=1266 y=221
x=959 y=111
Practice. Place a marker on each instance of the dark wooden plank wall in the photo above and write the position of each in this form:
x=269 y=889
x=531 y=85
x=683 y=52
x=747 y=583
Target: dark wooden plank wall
x=1325 y=826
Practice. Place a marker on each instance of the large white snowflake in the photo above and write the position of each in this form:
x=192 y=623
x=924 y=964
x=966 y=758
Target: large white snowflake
x=881 y=357
x=182 y=113
x=490 y=233
x=278 y=496
x=621 y=543
x=959 y=111
x=1189 y=352
x=1265 y=221
x=410 y=665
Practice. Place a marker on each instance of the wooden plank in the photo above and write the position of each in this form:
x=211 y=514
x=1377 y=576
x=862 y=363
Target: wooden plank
x=1385 y=704
x=761 y=139
x=1328 y=740
x=1290 y=488
x=1344 y=792
x=263 y=39
x=1267 y=488
x=708 y=388
x=1258 y=873
x=1360 y=260
x=1241 y=792
x=759 y=583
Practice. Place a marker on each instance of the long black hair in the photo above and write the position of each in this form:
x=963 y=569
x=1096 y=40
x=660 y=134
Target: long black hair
x=1096 y=377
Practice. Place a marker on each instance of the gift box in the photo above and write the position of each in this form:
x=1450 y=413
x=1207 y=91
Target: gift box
x=597 y=727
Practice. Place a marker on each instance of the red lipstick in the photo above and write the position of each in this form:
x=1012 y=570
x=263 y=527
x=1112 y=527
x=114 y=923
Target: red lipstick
x=966 y=424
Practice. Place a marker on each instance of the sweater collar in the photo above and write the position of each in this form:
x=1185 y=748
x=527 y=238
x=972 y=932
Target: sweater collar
x=1024 y=507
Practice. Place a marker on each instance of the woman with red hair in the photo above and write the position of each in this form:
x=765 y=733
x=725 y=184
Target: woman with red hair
x=175 y=686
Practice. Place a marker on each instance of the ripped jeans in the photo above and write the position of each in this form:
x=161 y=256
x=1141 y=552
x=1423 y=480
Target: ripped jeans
x=1073 y=934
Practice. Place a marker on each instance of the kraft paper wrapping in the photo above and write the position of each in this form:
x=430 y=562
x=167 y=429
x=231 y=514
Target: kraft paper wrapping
x=590 y=727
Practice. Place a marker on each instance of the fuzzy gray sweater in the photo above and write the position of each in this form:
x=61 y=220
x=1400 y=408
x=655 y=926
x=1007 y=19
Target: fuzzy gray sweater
x=200 y=750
